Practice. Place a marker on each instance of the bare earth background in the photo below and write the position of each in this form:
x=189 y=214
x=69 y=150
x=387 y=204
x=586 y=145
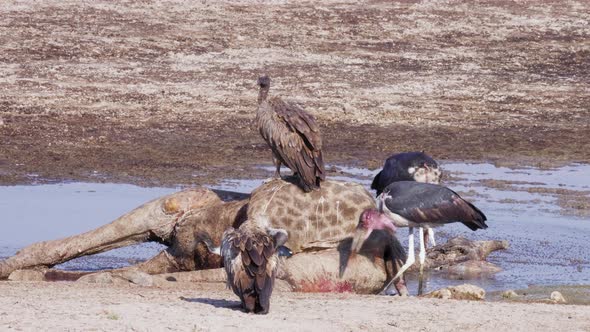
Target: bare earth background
x=164 y=93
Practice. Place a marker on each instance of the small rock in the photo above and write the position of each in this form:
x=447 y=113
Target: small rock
x=557 y=297
x=509 y=294
x=461 y=292
x=97 y=278
x=137 y=277
x=467 y=292
x=27 y=275
x=1 y=122
x=443 y=293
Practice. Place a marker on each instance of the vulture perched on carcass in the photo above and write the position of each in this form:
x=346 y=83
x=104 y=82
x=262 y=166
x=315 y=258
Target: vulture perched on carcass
x=293 y=136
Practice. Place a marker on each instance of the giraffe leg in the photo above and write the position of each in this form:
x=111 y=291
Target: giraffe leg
x=422 y=257
x=409 y=261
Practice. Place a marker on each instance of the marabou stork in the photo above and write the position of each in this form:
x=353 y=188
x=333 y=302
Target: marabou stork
x=415 y=204
x=408 y=166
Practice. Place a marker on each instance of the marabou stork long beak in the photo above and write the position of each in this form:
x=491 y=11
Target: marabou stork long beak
x=361 y=234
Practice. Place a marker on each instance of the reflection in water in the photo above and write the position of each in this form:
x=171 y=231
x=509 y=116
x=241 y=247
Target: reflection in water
x=546 y=246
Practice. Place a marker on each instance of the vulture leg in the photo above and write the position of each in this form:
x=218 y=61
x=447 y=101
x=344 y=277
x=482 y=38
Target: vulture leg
x=409 y=261
x=422 y=257
x=277 y=163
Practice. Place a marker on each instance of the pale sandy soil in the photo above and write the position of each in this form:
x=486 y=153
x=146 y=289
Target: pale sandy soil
x=75 y=307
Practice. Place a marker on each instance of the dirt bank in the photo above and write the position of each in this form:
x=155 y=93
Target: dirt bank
x=163 y=93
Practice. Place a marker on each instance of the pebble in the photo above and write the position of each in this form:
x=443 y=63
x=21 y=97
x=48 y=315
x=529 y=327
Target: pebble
x=557 y=297
x=27 y=275
x=460 y=292
x=509 y=294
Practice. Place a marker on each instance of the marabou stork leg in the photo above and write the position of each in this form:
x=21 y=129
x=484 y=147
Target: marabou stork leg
x=429 y=233
x=411 y=259
x=422 y=257
x=431 y=236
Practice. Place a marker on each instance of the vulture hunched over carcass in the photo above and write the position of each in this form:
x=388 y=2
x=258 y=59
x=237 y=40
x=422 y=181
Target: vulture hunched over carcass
x=251 y=260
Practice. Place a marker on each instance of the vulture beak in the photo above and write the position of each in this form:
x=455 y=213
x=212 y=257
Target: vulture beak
x=361 y=234
x=211 y=248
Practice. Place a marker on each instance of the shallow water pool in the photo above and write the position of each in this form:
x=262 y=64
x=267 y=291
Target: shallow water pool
x=547 y=245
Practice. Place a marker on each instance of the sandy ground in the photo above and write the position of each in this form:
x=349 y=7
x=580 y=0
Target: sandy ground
x=75 y=307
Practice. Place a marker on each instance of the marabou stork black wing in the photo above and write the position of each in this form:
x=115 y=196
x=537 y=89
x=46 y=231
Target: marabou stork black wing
x=431 y=203
x=250 y=267
x=396 y=168
x=391 y=172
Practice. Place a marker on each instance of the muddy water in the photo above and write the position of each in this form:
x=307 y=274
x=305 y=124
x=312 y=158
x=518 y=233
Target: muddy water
x=548 y=245
x=35 y=213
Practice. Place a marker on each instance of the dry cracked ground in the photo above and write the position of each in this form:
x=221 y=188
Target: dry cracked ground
x=154 y=92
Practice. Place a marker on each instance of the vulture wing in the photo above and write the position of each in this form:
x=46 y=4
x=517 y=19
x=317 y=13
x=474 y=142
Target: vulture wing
x=250 y=265
x=295 y=138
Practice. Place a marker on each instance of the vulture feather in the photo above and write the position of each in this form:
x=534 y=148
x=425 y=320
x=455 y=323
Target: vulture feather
x=293 y=136
x=251 y=262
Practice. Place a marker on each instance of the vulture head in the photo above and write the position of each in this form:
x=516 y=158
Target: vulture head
x=263 y=81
